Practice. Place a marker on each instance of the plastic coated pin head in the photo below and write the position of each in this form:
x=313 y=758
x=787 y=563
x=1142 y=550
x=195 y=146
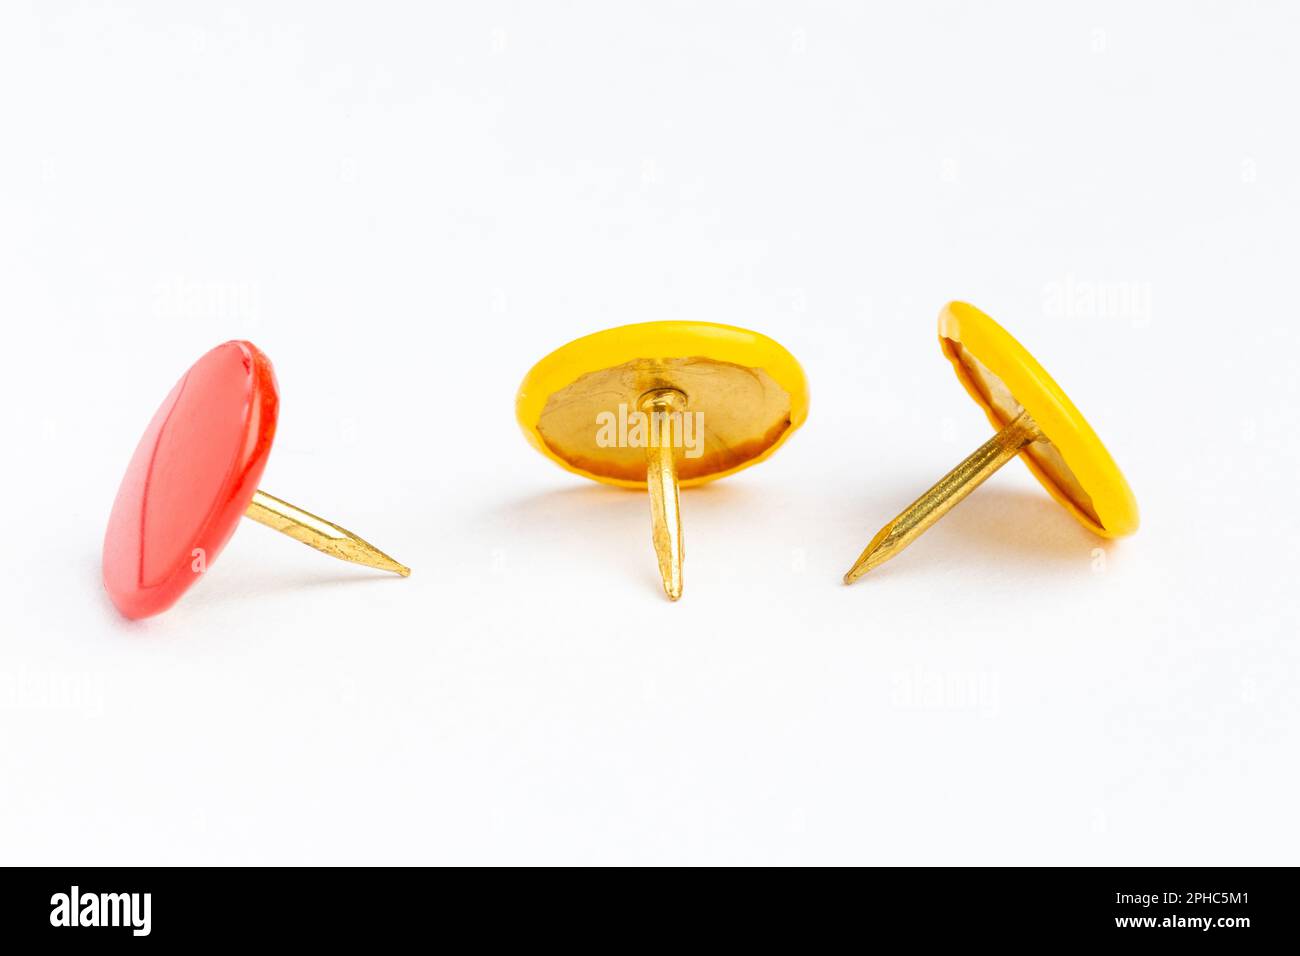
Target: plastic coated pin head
x=663 y=406
x=194 y=474
x=1035 y=420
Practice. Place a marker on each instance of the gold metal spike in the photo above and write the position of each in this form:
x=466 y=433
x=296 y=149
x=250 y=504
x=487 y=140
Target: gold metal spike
x=946 y=494
x=324 y=536
x=661 y=405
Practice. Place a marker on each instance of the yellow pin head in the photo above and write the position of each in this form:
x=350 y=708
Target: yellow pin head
x=1069 y=459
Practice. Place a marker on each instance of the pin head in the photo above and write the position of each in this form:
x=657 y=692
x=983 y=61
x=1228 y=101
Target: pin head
x=743 y=392
x=191 y=479
x=1070 y=461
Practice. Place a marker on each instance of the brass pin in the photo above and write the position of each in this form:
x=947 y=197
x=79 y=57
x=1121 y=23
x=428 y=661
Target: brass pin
x=945 y=495
x=662 y=406
x=315 y=532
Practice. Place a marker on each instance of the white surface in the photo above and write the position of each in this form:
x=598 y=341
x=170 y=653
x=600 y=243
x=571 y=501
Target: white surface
x=406 y=208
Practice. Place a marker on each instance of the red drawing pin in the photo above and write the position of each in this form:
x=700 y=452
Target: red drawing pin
x=195 y=474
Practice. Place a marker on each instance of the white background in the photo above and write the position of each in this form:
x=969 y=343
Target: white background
x=407 y=205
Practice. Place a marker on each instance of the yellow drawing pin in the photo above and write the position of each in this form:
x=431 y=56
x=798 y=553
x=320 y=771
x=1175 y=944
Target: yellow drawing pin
x=1035 y=420
x=663 y=406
